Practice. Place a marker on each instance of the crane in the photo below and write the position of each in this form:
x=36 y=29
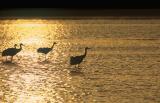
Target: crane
x=46 y=50
x=11 y=51
x=76 y=60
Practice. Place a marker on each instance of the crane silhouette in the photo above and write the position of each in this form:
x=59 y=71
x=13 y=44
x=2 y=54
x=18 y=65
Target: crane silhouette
x=8 y=49
x=11 y=51
x=46 y=50
x=76 y=60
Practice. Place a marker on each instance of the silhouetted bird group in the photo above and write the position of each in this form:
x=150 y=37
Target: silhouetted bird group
x=74 y=60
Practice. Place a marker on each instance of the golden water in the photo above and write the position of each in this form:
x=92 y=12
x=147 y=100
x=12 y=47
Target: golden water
x=122 y=66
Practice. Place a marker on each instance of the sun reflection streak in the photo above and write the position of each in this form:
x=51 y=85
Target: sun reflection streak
x=26 y=98
x=32 y=89
x=32 y=32
x=32 y=40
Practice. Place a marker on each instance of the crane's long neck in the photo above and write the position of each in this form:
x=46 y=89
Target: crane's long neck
x=52 y=46
x=85 y=52
x=20 y=48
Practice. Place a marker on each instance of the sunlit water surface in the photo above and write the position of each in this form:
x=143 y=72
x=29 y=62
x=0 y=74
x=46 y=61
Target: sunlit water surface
x=122 y=66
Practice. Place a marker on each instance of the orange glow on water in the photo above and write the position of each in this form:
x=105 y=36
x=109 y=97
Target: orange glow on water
x=31 y=32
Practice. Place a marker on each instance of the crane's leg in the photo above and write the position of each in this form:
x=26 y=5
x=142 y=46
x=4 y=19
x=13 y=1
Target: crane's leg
x=2 y=59
x=6 y=58
x=11 y=58
x=45 y=57
x=38 y=56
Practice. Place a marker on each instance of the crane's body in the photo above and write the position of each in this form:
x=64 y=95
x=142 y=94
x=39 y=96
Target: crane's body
x=44 y=50
x=9 y=52
x=76 y=60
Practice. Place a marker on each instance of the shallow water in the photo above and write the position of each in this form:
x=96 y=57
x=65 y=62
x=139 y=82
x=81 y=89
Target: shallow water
x=122 y=65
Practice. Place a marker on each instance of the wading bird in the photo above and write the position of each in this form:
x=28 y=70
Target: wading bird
x=11 y=51
x=46 y=50
x=76 y=60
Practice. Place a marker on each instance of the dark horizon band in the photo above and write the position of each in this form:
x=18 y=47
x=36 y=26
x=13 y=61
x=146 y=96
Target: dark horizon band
x=62 y=12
